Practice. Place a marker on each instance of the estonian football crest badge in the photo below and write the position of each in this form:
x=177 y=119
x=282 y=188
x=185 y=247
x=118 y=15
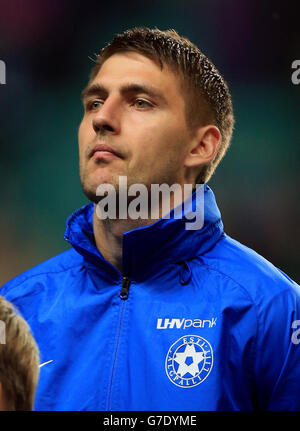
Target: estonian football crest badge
x=189 y=361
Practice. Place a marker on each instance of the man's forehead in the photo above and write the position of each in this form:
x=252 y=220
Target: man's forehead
x=124 y=67
x=132 y=59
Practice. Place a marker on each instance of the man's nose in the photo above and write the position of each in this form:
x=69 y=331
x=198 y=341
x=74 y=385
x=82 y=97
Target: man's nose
x=107 y=119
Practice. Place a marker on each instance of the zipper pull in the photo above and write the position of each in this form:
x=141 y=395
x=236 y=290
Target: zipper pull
x=125 y=288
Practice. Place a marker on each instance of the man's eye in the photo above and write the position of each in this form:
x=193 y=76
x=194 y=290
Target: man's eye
x=94 y=104
x=140 y=103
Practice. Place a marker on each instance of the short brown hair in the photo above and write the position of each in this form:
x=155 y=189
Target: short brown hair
x=206 y=93
x=19 y=360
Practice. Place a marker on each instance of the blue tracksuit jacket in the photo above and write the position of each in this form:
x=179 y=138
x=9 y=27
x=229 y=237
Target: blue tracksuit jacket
x=196 y=321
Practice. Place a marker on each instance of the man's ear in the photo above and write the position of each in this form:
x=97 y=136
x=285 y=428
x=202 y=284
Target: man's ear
x=203 y=147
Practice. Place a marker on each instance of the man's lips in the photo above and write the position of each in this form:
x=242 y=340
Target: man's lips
x=104 y=150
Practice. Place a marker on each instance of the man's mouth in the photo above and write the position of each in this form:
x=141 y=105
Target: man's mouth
x=104 y=151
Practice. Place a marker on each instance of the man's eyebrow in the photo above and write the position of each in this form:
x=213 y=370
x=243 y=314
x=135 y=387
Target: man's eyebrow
x=99 y=89
x=143 y=88
x=93 y=90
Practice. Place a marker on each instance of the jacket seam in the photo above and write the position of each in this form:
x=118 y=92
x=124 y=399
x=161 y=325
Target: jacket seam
x=212 y=230
x=232 y=279
x=116 y=351
x=37 y=275
x=255 y=308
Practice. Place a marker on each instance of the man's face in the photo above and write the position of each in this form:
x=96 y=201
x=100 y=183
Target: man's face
x=133 y=125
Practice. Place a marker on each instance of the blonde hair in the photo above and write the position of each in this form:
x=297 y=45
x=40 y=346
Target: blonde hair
x=19 y=360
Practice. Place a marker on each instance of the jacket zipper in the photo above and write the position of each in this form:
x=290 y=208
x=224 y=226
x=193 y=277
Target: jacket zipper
x=123 y=295
x=125 y=288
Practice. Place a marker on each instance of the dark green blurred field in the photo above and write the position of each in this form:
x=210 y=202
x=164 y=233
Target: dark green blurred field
x=46 y=48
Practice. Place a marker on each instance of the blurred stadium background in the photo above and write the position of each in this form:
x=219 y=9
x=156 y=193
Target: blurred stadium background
x=46 y=47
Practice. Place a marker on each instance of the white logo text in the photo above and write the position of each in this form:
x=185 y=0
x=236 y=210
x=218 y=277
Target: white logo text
x=185 y=323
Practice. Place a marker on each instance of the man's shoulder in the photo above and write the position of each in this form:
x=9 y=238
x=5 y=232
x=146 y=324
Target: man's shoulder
x=48 y=269
x=248 y=269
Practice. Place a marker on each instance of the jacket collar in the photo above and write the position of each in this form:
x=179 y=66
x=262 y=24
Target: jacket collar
x=145 y=248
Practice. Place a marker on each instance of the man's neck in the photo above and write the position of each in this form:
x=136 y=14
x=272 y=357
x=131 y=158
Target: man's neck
x=109 y=233
x=109 y=236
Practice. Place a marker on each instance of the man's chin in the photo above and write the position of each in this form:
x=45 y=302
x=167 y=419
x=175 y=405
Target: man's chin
x=91 y=195
x=90 y=190
x=90 y=183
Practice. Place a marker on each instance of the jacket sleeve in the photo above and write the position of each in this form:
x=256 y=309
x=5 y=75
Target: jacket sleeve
x=277 y=361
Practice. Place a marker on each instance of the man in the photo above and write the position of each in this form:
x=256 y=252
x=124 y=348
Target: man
x=149 y=313
x=19 y=361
